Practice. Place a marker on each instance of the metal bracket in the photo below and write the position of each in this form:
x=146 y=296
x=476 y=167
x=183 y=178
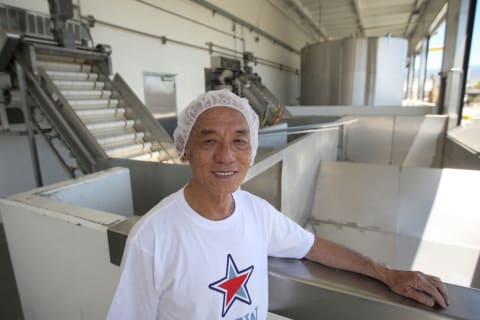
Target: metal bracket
x=117 y=234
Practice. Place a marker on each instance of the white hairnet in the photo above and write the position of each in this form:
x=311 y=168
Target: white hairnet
x=208 y=100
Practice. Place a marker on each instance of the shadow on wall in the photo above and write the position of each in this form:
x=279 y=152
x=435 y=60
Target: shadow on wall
x=476 y=275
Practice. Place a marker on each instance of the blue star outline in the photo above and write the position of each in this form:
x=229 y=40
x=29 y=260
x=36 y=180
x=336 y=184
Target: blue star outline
x=233 y=286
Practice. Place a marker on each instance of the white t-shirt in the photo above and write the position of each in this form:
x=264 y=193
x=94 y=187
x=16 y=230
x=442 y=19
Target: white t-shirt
x=180 y=265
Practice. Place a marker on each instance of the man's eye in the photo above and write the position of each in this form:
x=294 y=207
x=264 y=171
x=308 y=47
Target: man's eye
x=209 y=141
x=240 y=142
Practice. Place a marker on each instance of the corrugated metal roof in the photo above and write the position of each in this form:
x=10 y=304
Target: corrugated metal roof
x=336 y=19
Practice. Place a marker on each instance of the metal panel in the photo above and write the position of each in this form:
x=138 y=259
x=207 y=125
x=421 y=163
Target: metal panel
x=300 y=161
x=406 y=130
x=427 y=147
x=117 y=238
x=160 y=94
x=408 y=210
x=85 y=192
x=267 y=185
x=354 y=72
x=370 y=140
x=467 y=137
x=457 y=156
x=371 y=192
x=320 y=81
x=390 y=73
x=151 y=181
x=426 y=208
x=403 y=140
x=304 y=290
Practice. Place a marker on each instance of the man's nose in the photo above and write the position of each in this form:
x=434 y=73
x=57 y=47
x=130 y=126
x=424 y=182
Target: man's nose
x=224 y=153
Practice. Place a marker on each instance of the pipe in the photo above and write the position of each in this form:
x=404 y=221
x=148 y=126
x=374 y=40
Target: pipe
x=190 y=19
x=250 y=26
x=165 y=39
x=304 y=14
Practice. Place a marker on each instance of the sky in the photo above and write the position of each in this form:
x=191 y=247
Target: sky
x=435 y=57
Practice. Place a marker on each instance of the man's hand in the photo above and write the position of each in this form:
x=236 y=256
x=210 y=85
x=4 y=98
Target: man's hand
x=415 y=285
x=420 y=287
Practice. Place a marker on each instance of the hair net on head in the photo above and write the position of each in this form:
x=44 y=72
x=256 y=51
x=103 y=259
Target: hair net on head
x=208 y=100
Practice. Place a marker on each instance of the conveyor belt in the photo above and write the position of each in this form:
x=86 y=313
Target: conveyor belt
x=87 y=95
x=103 y=117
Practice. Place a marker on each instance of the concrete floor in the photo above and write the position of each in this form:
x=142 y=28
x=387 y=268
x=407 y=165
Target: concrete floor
x=10 y=307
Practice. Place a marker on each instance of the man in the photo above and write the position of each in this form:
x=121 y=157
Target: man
x=201 y=253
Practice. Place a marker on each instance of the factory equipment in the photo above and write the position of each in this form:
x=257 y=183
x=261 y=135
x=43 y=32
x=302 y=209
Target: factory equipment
x=60 y=12
x=67 y=85
x=228 y=73
x=93 y=233
x=356 y=71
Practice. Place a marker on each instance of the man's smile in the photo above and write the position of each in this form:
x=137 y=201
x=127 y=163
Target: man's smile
x=224 y=173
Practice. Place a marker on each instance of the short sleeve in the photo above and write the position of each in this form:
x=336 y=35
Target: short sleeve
x=136 y=296
x=287 y=238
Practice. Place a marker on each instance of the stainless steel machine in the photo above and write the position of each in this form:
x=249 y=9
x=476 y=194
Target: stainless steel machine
x=65 y=92
x=354 y=72
x=228 y=73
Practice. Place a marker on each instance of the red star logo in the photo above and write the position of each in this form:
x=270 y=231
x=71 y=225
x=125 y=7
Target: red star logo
x=233 y=286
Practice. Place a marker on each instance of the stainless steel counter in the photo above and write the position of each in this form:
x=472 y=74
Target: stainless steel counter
x=301 y=289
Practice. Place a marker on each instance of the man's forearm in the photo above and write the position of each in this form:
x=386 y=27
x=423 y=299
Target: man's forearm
x=415 y=285
x=339 y=257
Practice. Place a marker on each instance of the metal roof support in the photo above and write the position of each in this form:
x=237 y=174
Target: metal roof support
x=452 y=65
x=299 y=9
x=423 y=69
x=423 y=18
x=356 y=8
x=250 y=26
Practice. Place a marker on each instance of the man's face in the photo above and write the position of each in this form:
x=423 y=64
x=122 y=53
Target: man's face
x=219 y=151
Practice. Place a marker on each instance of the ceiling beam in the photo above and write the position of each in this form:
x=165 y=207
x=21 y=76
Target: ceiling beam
x=301 y=11
x=356 y=8
x=375 y=11
x=293 y=17
x=245 y=23
x=421 y=29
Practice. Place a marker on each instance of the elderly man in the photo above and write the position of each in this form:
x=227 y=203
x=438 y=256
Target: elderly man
x=201 y=253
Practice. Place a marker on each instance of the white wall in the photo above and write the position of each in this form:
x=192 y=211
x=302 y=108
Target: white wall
x=134 y=54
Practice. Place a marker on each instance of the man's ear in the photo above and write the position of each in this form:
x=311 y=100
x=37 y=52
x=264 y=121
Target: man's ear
x=185 y=157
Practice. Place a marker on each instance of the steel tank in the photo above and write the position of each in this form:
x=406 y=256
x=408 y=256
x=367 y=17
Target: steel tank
x=360 y=71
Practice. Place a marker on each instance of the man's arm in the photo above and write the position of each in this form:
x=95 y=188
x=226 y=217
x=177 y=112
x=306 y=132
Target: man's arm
x=415 y=285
